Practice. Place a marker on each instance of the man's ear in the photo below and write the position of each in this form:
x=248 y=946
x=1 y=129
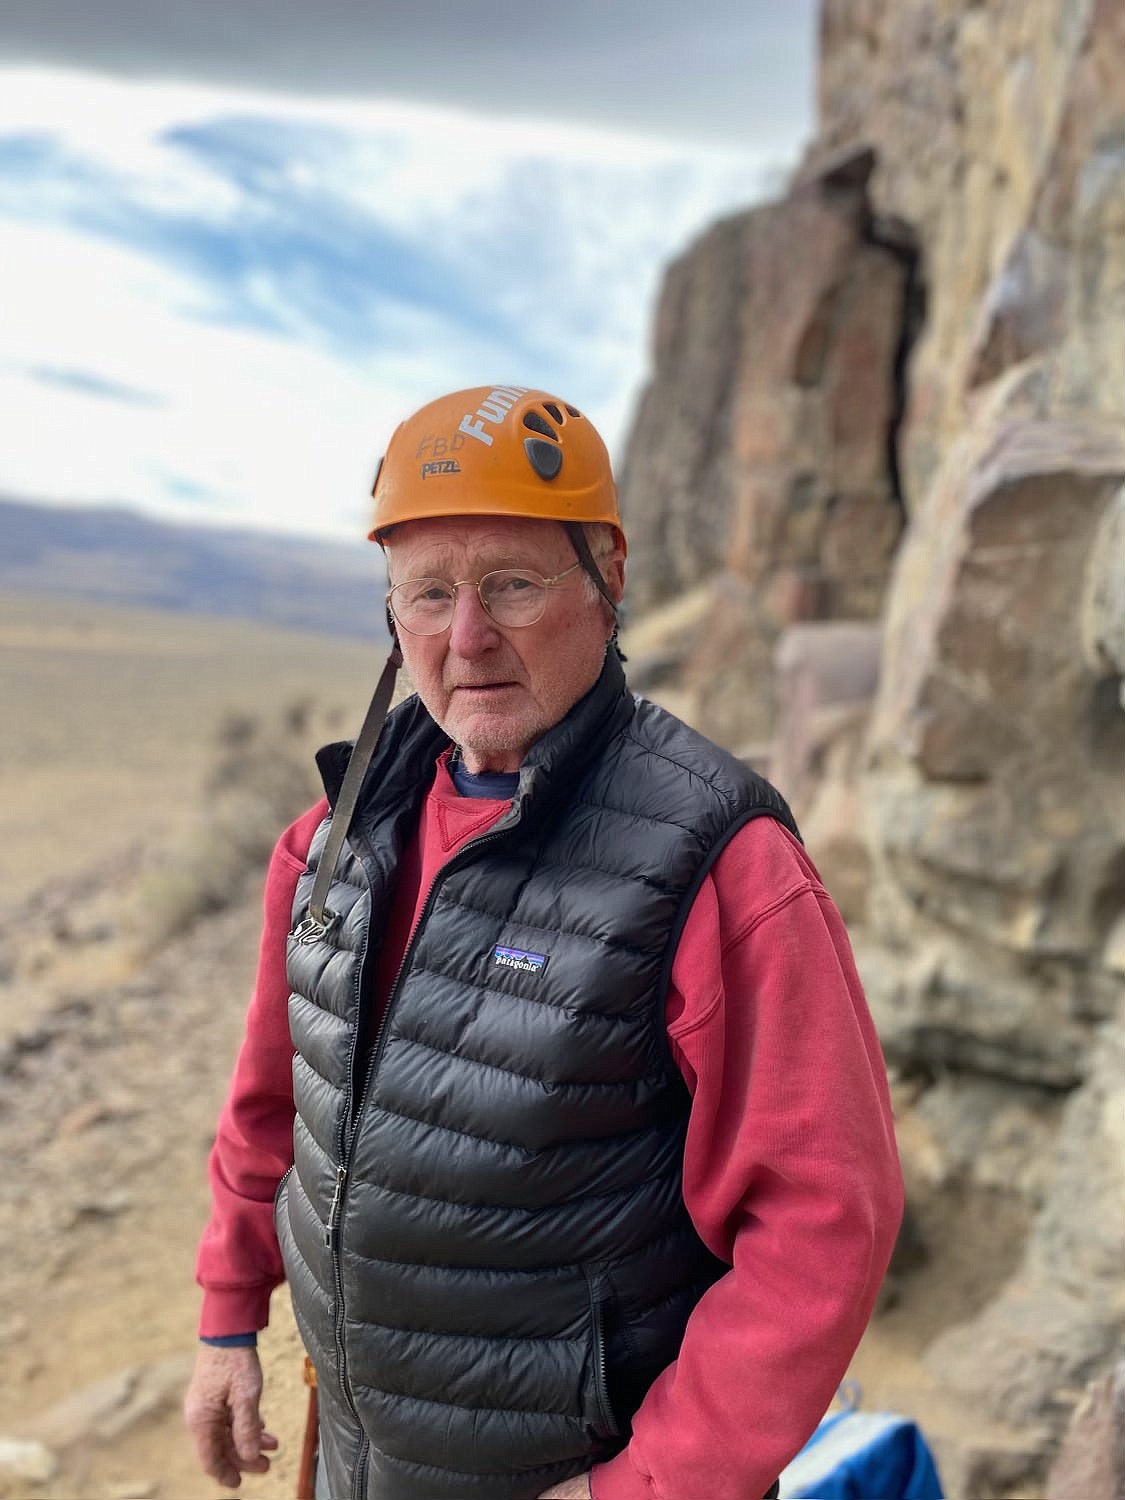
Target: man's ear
x=613 y=571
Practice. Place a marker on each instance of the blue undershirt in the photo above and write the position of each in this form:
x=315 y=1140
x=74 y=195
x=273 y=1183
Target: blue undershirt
x=500 y=786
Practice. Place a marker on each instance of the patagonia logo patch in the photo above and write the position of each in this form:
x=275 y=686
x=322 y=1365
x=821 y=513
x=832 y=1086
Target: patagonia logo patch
x=519 y=958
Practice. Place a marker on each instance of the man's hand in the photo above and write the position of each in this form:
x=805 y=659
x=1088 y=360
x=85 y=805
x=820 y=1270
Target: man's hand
x=221 y=1409
x=570 y=1489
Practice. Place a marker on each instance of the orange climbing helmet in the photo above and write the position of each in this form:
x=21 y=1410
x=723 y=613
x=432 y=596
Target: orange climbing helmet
x=501 y=450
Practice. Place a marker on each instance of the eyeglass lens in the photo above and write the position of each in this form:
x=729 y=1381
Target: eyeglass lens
x=511 y=596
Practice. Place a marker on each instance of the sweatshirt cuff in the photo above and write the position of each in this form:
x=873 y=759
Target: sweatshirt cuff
x=619 y=1480
x=234 y=1310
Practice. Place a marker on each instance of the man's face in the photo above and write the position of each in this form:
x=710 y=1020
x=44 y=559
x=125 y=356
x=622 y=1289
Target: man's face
x=494 y=689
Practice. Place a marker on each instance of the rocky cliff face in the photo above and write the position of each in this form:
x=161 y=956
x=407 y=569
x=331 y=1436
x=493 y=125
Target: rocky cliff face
x=767 y=449
x=884 y=447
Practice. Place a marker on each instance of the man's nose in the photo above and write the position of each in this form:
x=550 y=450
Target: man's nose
x=473 y=630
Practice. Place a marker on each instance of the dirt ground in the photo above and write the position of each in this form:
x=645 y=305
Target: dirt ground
x=114 y=1059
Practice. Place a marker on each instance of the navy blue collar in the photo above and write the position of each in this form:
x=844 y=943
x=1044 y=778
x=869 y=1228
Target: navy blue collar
x=500 y=786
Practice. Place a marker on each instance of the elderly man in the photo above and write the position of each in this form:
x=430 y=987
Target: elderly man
x=584 y=1167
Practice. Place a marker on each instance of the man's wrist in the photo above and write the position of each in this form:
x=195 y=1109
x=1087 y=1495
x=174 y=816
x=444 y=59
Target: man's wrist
x=230 y=1340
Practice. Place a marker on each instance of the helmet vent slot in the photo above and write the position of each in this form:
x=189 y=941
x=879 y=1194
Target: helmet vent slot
x=537 y=424
x=552 y=410
x=572 y=411
x=545 y=458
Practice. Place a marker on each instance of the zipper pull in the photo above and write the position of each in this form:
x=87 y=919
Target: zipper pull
x=334 y=1209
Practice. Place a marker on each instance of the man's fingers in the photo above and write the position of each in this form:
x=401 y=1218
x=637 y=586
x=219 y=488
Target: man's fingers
x=246 y=1431
x=250 y=1439
x=213 y=1447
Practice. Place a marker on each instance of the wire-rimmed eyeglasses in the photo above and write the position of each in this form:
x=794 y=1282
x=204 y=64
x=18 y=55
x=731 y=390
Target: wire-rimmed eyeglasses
x=511 y=596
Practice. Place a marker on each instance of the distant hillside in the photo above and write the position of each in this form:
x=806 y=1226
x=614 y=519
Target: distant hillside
x=120 y=556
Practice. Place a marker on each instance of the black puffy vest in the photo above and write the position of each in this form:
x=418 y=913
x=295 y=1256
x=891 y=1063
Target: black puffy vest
x=484 y=1229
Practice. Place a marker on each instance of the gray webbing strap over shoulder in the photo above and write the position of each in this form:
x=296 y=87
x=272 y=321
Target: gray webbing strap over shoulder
x=320 y=919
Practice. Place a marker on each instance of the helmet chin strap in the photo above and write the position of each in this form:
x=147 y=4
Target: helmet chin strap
x=577 y=534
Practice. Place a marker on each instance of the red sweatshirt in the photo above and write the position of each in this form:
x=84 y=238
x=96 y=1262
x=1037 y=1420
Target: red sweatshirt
x=790 y=1168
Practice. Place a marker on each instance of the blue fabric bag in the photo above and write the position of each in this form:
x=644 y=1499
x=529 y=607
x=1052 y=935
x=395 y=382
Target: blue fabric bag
x=858 y=1455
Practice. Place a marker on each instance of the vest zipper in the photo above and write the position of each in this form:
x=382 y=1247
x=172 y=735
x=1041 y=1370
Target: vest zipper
x=359 y=1473
x=601 y=1358
x=334 y=1208
x=281 y=1185
x=349 y=1125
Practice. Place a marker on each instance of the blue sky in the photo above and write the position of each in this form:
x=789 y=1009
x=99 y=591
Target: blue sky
x=220 y=296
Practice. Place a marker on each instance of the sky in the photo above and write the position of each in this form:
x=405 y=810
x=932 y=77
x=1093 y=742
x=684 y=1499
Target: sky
x=241 y=239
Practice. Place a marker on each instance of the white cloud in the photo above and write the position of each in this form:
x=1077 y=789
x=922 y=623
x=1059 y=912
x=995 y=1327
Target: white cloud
x=276 y=436
x=284 y=280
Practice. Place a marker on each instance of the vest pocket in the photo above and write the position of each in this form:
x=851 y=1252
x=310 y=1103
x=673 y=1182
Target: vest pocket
x=605 y=1423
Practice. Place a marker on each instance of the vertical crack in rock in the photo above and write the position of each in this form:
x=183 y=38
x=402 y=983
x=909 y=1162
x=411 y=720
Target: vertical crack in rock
x=899 y=239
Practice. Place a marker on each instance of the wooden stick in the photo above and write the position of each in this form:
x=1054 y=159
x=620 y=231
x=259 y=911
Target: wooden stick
x=306 y=1476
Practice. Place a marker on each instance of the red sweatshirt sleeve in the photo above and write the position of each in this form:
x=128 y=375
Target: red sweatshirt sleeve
x=239 y=1261
x=791 y=1174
